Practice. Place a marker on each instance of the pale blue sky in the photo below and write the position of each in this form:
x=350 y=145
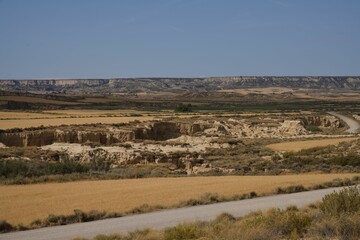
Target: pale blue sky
x=178 y=38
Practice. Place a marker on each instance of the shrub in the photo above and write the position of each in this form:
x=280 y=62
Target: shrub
x=182 y=232
x=344 y=227
x=19 y=168
x=313 y=128
x=350 y=159
x=183 y=108
x=338 y=203
x=225 y=217
x=278 y=223
x=5 y=227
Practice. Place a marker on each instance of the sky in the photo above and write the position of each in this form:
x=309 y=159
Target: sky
x=42 y=39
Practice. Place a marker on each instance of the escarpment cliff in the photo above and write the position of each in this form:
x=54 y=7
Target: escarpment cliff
x=177 y=85
x=49 y=136
x=104 y=136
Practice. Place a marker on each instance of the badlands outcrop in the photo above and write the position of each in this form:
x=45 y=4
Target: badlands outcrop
x=181 y=142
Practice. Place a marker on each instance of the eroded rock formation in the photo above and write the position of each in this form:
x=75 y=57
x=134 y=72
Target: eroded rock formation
x=327 y=121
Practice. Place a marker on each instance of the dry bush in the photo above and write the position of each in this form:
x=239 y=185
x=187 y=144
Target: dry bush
x=5 y=226
x=344 y=202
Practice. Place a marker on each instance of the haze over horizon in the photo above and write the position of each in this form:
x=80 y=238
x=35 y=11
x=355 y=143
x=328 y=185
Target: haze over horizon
x=178 y=38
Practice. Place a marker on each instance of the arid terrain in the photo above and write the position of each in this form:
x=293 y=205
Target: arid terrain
x=73 y=145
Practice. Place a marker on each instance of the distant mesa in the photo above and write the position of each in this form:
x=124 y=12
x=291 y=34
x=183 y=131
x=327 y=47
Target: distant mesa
x=176 y=85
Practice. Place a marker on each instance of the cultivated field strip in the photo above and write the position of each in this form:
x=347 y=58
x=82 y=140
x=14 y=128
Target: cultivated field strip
x=27 y=123
x=25 y=203
x=306 y=144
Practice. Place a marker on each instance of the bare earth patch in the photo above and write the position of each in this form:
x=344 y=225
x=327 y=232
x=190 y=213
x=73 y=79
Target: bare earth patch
x=25 y=203
x=300 y=145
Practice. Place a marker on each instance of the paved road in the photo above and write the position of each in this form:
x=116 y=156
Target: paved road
x=353 y=124
x=166 y=218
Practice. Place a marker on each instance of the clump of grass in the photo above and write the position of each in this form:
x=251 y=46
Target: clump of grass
x=182 y=231
x=144 y=209
x=291 y=189
x=313 y=128
x=77 y=217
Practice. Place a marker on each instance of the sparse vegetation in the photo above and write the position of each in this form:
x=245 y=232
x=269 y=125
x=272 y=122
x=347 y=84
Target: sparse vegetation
x=313 y=128
x=17 y=169
x=183 y=107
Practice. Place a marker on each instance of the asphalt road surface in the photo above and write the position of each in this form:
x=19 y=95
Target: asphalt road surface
x=166 y=218
x=352 y=123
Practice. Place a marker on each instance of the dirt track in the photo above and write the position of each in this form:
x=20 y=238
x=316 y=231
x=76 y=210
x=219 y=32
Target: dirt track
x=353 y=124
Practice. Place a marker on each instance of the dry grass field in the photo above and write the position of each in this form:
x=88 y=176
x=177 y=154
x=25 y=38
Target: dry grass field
x=25 y=203
x=95 y=112
x=26 y=123
x=25 y=119
x=72 y=113
x=300 y=145
x=25 y=115
x=36 y=100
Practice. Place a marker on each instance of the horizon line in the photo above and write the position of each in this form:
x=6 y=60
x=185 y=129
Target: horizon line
x=199 y=77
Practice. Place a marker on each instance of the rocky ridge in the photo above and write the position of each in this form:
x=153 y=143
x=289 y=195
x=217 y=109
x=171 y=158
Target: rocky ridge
x=177 y=85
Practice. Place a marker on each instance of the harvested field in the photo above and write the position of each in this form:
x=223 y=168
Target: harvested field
x=25 y=203
x=300 y=145
x=73 y=113
x=26 y=123
x=25 y=115
x=36 y=100
x=91 y=112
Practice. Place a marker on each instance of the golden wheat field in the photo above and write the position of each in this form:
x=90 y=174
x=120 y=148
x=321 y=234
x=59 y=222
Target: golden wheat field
x=67 y=113
x=25 y=203
x=26 y=123
x=300 y=145
x=25 y=115
x=95 y=112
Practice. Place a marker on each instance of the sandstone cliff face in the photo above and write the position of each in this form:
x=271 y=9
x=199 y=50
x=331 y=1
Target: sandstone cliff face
x=47 y=137
x=151 y=131
x=323 y=121
x=50 y=85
